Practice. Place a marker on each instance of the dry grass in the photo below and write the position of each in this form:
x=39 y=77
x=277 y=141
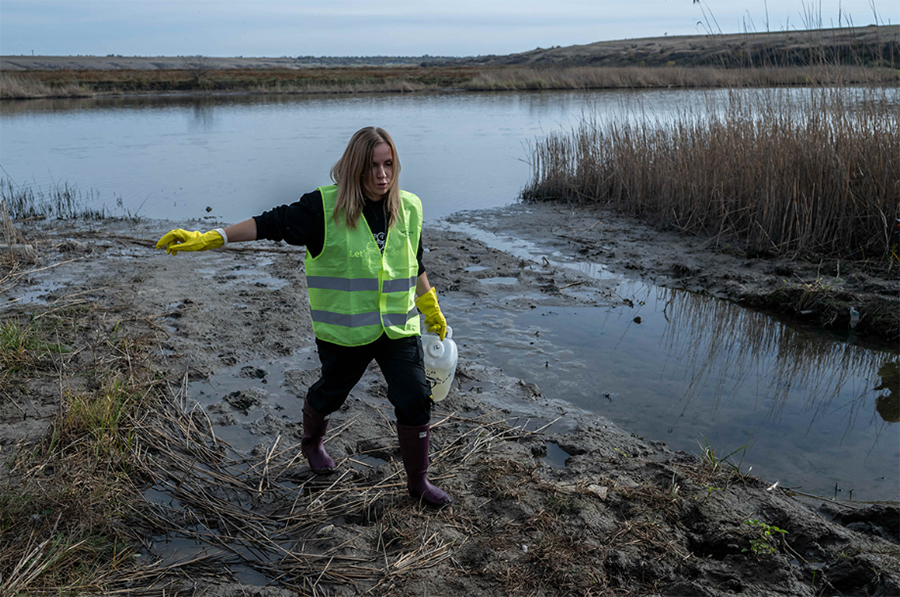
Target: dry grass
x=14 y=253
x=25 y=87
x=63 y=504
x=74 y=517
x=811 y=173
x=265 y=515
x=637 y=77
x=52 y=83
x=403 y=79
x=61 y=201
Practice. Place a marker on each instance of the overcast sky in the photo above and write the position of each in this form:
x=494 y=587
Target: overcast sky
x=389 y=27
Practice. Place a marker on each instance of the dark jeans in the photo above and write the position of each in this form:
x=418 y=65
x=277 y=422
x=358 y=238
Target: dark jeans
x=401 y=362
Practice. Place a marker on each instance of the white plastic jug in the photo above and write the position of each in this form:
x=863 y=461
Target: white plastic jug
x=440 y=363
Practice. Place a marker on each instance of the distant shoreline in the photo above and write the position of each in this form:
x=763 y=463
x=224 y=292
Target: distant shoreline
x=48 y=84
x=150 y=63
x=856 y=46
x=850 y=56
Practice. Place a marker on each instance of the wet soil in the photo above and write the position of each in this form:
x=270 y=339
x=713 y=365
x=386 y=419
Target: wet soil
x=579 y=508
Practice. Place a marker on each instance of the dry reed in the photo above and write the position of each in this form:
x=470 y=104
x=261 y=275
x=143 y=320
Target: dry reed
x=352 y=80
x=25 y=87
x=650 y=77
x=798 y=173
x=77 y=498
x=269 y=515
x=61 y=201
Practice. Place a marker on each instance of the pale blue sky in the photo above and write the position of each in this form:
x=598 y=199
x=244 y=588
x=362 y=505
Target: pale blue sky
x=388 y=27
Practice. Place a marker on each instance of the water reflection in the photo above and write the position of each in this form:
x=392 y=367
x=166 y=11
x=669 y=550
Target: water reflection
x=203 y=116
x=172 y=156
x=888 y=405
x=738 y=347
x=154 y=102
x=814 y=410
x=817 y=407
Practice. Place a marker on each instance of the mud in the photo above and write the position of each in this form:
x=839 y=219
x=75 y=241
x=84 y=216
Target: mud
x=582 y=508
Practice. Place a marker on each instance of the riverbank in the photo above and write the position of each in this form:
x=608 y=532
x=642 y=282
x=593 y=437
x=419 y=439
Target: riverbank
x=408 y=79
x=821 y=57
x=549 y=499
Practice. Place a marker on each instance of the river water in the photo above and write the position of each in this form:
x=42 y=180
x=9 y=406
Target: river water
x=820 y=412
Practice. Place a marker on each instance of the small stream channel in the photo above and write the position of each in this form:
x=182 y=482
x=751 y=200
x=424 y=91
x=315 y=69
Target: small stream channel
x=817 y=412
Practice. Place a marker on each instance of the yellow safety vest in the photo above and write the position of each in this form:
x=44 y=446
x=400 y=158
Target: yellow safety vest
x=356 y=293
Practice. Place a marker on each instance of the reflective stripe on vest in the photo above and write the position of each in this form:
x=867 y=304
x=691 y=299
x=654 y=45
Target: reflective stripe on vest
x=332 y=283
x=329 y=283
x=359 y=320
x=399 y=285
x=356 y=293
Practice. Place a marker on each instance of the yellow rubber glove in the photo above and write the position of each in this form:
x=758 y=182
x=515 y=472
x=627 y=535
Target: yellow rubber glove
x=434 y=319
x=184 y=240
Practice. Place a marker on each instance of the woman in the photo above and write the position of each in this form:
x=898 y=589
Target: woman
x=365 y=280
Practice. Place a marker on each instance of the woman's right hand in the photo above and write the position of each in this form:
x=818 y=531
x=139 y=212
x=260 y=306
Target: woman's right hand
x=185 y=240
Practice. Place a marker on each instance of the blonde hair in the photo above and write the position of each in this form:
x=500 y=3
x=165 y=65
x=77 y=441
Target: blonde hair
x=349 y=174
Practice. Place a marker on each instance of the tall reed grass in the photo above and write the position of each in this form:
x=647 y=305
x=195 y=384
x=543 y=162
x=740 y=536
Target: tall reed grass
x=807 y=172
x=61 y=201
x=691 y=77
x=74 y=83
x=26 y=87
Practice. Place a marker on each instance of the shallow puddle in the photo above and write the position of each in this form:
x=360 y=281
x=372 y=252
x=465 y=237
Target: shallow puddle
x=499 y=281
x=251 y=400
x=34 y=293
x=556 y=457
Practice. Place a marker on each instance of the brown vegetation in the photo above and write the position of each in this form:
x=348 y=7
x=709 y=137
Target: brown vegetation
x=803 y=174
x=81 y=83
x=871 y=46
x=311 y=80
x=638 y=77
x=26 y=87
x=810 y=175
x=818 y=57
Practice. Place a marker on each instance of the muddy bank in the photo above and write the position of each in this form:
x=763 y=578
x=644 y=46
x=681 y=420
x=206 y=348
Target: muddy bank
x=819 y=293
x=549 y=500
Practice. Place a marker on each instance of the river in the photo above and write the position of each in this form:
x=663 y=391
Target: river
x=814 y=410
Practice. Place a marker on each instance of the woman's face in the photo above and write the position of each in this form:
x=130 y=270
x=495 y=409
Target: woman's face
x=381 y=172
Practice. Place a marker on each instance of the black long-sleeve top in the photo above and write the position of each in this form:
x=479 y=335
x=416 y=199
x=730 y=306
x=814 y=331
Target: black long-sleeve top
x=303 y=223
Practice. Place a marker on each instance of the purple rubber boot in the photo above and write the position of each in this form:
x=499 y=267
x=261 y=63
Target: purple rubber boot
x=311 y=444
x=414 y=449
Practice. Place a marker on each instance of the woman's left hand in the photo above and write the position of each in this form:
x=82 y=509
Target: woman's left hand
x=434 y=319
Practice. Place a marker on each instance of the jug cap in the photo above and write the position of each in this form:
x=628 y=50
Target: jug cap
x=435 y=348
